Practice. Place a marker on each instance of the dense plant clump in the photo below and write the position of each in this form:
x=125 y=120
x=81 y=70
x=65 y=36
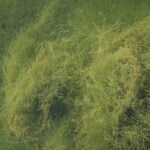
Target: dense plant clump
x=74 y=75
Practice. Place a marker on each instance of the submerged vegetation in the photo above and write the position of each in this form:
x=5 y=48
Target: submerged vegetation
x=74 y=75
